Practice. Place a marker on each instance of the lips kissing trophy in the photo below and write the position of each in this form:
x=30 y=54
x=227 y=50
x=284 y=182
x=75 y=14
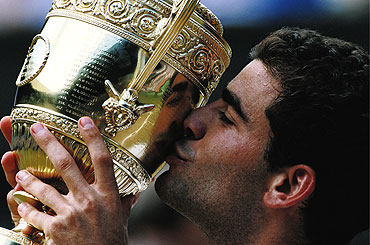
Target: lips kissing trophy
x=136 y=67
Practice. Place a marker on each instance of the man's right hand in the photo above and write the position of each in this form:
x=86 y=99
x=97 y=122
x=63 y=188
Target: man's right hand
x=9 y=164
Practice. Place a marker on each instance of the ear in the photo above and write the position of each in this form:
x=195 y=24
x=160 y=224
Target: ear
x=290 y=187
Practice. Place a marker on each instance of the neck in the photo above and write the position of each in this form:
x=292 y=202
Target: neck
x=273 y=229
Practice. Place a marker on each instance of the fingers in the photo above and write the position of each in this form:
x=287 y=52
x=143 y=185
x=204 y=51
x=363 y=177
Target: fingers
x=60 y=157
x=45 y=193
x=13 y=207
x=65 y=164
x=9 y=163
x=127 y=203
x=5 y=125
x=32 y=216
x=100 y=156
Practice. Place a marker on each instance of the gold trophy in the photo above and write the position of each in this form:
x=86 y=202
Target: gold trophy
x=136 y=67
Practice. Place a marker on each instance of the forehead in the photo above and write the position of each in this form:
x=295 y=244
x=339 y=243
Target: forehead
x=255 y=87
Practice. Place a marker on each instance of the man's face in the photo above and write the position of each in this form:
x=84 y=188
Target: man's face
x=219 y=169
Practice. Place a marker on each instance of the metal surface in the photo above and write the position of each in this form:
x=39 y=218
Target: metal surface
x=72 y=84
x=136 y=67
x=8 y=237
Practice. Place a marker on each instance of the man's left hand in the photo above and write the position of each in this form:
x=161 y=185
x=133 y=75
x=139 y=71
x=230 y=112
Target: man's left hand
x=89 y=213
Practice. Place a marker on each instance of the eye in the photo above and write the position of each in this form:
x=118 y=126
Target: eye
x=174 y=101
x=224 y=118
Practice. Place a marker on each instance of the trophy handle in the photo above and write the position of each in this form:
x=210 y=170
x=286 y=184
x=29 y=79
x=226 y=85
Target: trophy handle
x=122 y=110
x=180 y=14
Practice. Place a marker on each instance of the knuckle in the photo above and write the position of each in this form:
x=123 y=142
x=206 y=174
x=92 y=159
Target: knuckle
x=43 y=192
x=70 y=216
x=69 y=212
x=62 y=222
x=89 y=206
x=64 y=163
x=54 y=227
x=27 y=181
x=26 y=211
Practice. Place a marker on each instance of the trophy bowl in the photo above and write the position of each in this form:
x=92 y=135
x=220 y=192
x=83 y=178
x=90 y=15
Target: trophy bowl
x=116 y=62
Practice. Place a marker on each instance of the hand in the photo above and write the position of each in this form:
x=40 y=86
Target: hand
x=88 y=214
x=10 y=168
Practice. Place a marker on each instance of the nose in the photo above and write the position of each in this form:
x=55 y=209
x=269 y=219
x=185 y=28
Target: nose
x=195 y=125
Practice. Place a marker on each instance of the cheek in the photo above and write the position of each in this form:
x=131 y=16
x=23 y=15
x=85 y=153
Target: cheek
x=219 y=186
x=231 y=147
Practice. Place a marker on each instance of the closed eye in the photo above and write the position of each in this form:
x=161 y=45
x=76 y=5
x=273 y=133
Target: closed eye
x=174 y=101
x=224 y=118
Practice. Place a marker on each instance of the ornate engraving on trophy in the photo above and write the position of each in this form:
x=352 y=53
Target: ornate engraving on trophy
x=125 y=165
x=17 y=237
x=116 y=10
x=36 y=59
x=182 y=44
x=62 y=3
x=122 y=110
x=85 y=5
x=200 y=61
x=144 y=23
x=144 y=20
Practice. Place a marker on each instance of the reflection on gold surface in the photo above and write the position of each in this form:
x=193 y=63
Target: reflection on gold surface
x=71 y=85
x=108 y=60
x=82 y=46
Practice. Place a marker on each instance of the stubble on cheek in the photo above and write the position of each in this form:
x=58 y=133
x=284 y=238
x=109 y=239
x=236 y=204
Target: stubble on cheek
x=215 y=197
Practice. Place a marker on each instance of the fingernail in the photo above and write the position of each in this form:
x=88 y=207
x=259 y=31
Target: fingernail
x=22 y=175
x=86 y=122
x=18 y=187
x=22 y=207
x=37 y=128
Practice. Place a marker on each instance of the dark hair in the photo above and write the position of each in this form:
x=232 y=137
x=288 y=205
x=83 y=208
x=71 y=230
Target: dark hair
x=321 y=119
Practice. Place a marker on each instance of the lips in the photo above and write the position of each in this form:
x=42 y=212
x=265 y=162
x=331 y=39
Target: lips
x=173 y=159
x=181 y=153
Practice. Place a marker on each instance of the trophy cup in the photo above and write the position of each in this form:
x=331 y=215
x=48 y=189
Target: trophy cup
x=136 y=67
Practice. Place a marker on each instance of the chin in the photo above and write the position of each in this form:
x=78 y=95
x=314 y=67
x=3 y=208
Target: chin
x=172 y=190
x=161 y=185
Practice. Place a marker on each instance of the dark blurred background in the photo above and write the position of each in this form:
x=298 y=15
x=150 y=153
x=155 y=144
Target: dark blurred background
x=245 y=22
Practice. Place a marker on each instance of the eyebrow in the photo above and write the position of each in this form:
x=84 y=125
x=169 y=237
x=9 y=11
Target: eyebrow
x=233 y=100
x=180 y=87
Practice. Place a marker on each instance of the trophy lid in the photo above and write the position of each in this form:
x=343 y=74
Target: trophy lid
x=199 y=52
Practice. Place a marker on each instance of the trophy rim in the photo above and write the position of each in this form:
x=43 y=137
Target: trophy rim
x=201 y=37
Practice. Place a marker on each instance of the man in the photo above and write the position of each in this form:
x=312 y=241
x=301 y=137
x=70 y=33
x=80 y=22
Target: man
x=282 y=158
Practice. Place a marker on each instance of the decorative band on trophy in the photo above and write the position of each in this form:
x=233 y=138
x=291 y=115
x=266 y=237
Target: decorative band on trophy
x=199 y=51
x=131 y=177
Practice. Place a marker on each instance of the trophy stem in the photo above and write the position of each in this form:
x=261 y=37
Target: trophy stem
x=10 y=237
x=32 y=233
